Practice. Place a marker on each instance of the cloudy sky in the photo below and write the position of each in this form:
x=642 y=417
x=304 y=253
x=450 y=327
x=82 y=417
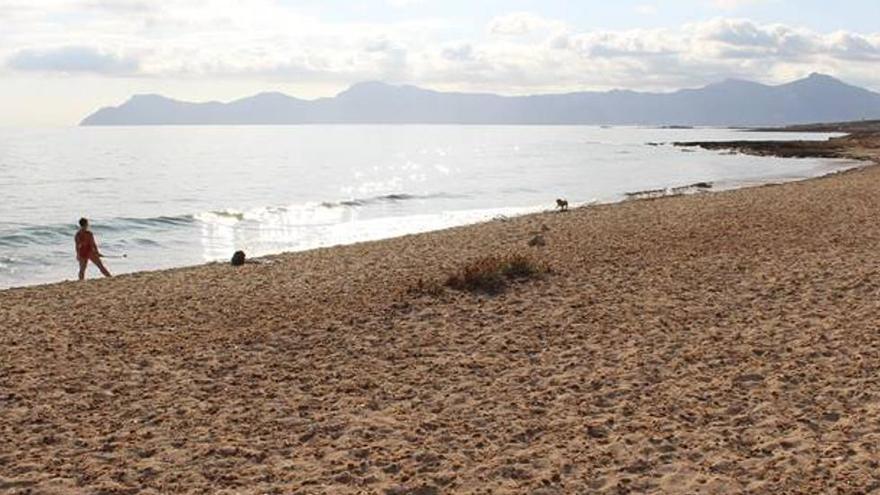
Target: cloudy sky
x=61 y=59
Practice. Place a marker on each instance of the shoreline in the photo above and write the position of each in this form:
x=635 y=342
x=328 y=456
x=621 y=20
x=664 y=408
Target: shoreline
x=860 y=142
x=709 y=343
x=744 y=147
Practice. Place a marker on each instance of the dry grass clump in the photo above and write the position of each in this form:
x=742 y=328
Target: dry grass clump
x=429 y=288
x=492 y=274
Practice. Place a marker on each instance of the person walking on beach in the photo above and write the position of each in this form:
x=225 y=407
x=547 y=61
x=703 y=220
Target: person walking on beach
x=87 y=250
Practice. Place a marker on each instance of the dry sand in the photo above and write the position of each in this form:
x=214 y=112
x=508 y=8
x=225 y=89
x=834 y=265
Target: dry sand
x=717 y=343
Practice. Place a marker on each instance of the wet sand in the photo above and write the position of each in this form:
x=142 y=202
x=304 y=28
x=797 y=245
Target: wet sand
x=713 y=343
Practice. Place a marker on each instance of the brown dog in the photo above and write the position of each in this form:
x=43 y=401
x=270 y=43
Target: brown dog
x=562 y=204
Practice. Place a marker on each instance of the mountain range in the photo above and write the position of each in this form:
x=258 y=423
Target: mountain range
x=733 y=102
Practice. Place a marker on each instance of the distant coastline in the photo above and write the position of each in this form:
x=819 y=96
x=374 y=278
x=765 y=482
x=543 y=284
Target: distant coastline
x=730 y=103
x=861 y=142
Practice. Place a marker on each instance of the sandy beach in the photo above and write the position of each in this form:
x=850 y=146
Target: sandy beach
x=712 y=343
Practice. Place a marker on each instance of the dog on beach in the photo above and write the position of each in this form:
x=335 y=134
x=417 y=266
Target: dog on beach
x=562 y=204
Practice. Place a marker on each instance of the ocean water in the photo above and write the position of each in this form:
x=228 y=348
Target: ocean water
x=176 y=196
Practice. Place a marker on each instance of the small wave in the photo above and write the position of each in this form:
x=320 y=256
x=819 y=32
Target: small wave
x=239 y=215
x=697 y=187
x=126 y=224
x=34 y=234
x=387 y=198
x=14 y=235
x=351 y=203
x=231 y=216
x=41 y=235
x=397 y=197
x=141 y=241
x=11 y=264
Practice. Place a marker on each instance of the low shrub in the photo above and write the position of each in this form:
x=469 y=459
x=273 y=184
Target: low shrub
x=430 y=288
x=492 y=274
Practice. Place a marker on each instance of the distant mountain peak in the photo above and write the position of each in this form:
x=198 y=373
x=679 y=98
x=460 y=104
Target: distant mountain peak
x=818 y=76
x=371 y=85
x=733 y=82
x=272 y=94
x=367 y=87
x=817 y=79
x=268 y=96
x=149 y=97
x=379 y=88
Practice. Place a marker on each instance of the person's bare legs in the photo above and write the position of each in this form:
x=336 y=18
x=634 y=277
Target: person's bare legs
x=97 y=261
x=83 y=262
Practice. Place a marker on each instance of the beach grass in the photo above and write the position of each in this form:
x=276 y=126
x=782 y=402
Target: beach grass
x=493 y=273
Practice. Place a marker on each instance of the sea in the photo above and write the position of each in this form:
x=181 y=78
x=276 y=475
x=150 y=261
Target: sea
x=162 y=197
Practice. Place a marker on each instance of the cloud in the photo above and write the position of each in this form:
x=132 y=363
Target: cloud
x=72 y=59
x=632 y=43
x=735 y=4
x=120 y=6
x=458 y=51
x=521 y=23
x=646 y=9
x=851 y=46
x=403 y=3
x=264 y=42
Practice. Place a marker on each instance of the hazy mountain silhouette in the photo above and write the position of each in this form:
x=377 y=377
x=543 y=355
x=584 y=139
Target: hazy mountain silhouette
x=817 y=98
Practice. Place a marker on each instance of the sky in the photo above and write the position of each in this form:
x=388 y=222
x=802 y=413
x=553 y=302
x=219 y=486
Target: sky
x=62 y=59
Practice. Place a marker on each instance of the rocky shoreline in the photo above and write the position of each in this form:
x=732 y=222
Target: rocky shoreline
x=861 y=142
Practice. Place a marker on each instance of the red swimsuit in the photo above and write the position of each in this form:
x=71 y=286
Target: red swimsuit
x=85 y=245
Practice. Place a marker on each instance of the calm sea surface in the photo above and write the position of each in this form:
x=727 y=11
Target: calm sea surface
x=175 y=196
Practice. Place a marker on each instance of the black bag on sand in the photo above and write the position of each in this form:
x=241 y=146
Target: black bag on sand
x=238 y=258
